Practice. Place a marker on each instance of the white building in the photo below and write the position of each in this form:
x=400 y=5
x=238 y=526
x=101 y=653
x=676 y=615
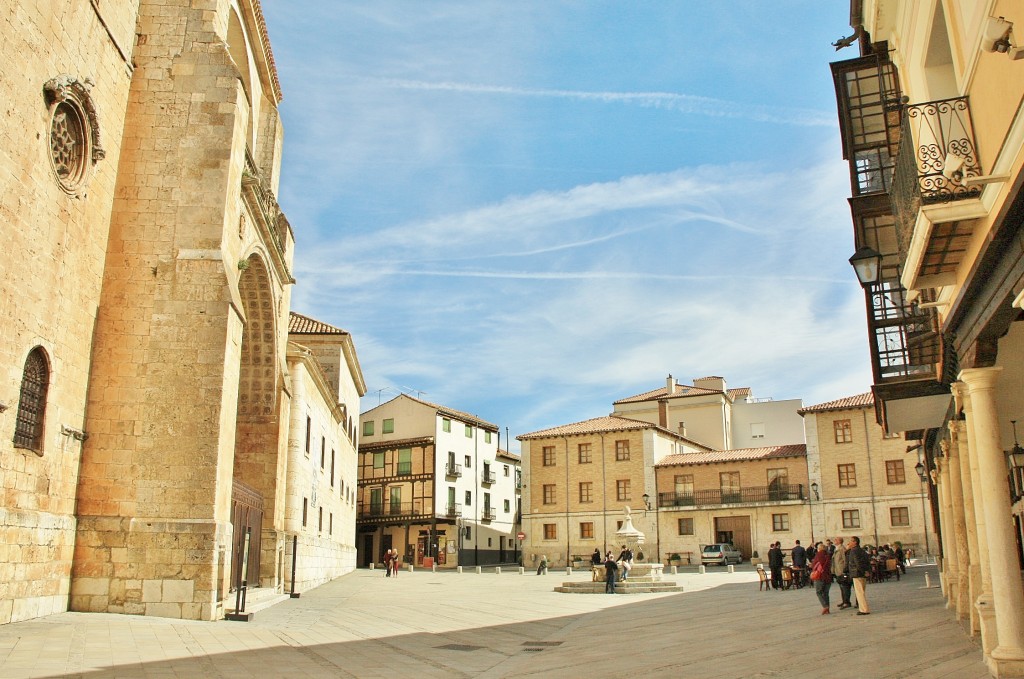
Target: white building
x=326 y=385
x=434 y=484
x=719 y=417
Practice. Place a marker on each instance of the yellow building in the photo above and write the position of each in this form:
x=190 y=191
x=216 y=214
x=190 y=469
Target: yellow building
x=749 y=497
x=932 y=125
x=865 y=482
x=579 y=477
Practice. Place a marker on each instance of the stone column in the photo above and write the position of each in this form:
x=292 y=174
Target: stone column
x=981 y=579
x=1007 y=658
x=958 y=526
x=949 y=561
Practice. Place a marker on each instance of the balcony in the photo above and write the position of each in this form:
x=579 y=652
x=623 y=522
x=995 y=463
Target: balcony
x=386 y=511
x=453 y=470
x=487 y=477
x=719 y=496
x=453 y=511
x=488 y=514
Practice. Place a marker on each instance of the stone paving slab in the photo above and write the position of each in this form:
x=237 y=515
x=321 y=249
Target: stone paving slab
x=423 y=625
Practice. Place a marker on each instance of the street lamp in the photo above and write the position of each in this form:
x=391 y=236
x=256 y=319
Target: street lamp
x=921 y=472
x=867 y=263
x=1015 y=456
x=814 y=489
x=657 y=528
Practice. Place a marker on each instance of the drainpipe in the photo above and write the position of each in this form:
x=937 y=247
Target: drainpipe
x=871 y=476
x=567 y=554
x=604 y=497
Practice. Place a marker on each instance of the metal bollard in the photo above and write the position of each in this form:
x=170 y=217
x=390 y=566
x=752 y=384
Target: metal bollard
x=433 y=568
x=568 y=570
x=371 y=565
x=479 y=569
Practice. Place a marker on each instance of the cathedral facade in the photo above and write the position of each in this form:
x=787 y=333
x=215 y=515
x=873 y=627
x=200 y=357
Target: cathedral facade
x=144 y=426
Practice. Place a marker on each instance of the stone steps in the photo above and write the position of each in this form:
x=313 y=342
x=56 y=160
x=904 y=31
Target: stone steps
x=630 y=586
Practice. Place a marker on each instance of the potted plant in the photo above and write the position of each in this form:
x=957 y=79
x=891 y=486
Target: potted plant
x=755 y=559
x=674 y=559
x=577 y=561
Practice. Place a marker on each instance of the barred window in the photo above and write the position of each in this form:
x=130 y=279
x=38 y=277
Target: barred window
x=35 y=382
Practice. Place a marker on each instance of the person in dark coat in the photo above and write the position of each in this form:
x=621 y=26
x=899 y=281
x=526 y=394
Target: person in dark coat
x=859 y=564
x=595 y=558
x=799 y=555
x=611 y=573
x=775 y=565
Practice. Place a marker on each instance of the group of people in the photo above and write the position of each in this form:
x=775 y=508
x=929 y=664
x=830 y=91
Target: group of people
x=613 y=565
x=391 y=563
x=846 y=563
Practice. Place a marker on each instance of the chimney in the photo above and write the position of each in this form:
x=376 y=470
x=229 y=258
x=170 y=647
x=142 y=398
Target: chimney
x=682 y=429
x=663 y=413
x=670 y=385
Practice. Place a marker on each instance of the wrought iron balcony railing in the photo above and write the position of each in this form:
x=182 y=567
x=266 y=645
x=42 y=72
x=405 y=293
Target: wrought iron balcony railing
x=453 y=510
x=906 y=342
x=488 y=514
x=942 y=138
x=452 y=469
x=386 y=510
x=718 y=496
x=487 y=477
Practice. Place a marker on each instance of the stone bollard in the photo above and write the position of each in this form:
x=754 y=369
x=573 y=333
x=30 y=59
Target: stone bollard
x=409 y=568
x=497 y=570
x=433 y=568
x=732 y=569
x=568 y=570
x=479 y=569
x=675 y=570
x=371 y=565
x=522 y=570
x=701 y=570
x=458 y=569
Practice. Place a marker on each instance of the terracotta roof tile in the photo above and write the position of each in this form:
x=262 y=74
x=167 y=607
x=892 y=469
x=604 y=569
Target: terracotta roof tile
x=608 y=423
x=681 y=391
x=304 y=325
x=858 y=401
x=740 y=454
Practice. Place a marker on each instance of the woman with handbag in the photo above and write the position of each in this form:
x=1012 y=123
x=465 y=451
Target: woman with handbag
x=821 y=576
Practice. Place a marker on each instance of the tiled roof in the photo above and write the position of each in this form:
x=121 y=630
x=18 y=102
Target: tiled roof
x=681 y=390
x=304 y=325
x=507 y=455
x=740 y=454
x=397 y=443
x=468 y=418
x=599 y=425
x=858 y=401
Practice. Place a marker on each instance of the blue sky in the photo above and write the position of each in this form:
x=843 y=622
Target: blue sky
x=527 y=210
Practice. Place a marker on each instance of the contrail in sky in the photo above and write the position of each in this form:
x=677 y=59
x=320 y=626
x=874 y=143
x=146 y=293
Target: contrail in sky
x=684 y=103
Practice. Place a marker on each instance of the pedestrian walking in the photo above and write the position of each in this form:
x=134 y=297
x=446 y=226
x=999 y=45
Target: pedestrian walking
x=395 y=563
x=543 y=567
x=626 y=560
x=388 y=563
x=821 y=576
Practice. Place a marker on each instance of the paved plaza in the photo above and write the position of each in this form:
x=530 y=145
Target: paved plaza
x=425 y=624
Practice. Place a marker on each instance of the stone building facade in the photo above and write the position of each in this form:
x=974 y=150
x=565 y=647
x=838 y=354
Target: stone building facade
x=326 y=383
x=932 y=126
x=147 y=277
x=578 y=477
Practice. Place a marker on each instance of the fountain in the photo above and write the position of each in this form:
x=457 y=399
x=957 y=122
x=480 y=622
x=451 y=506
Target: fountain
x=643 y=576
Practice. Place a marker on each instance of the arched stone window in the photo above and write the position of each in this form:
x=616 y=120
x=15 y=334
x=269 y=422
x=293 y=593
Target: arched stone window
x=35 y=382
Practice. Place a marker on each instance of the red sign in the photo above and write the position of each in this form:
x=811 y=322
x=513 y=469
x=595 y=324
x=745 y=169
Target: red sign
x=520 y=536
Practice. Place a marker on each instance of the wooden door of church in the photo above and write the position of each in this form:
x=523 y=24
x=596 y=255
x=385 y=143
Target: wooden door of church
x=247 y=523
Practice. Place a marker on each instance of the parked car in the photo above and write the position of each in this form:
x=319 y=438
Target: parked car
x=721 y=554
